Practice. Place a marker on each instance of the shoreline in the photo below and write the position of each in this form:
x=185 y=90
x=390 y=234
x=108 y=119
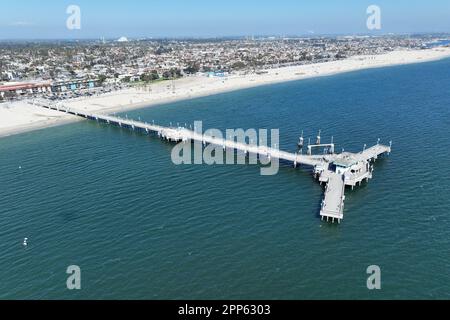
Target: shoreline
x=21 y=117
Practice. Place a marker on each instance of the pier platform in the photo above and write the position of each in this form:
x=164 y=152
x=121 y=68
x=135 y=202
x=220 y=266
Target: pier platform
x=333 y=202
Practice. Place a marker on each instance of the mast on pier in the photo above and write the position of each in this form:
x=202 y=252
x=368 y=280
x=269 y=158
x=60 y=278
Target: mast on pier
x=309 y=146
x=301 y=141
x=332 y=145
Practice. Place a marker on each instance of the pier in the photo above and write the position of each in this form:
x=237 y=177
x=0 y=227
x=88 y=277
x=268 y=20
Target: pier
x=333 y=203
x=335 y=171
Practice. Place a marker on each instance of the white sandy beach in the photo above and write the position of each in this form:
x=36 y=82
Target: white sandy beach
x=18 y=117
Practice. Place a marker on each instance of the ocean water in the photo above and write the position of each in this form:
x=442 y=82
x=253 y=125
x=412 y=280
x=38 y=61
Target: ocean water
x=139 y=227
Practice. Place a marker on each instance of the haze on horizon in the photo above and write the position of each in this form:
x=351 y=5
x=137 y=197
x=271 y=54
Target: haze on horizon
x=32 y=19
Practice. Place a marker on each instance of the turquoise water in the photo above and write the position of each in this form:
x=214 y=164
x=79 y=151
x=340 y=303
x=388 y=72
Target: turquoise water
x=112 y=202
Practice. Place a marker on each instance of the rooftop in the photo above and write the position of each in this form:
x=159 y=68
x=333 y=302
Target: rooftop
x=345 y=160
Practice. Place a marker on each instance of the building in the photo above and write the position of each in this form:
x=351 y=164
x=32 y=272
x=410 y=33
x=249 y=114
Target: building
x=17 y=89
x=24 y=88
x=73 y=85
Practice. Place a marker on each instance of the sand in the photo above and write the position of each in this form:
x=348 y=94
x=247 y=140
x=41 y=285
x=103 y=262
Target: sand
x=22 y=116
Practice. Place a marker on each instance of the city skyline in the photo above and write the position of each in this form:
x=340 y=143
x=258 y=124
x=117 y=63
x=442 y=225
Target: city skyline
x=203 y=19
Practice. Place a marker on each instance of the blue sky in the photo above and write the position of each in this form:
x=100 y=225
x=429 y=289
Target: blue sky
x=33 y=19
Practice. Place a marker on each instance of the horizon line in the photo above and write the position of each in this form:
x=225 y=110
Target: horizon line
x=218 y=37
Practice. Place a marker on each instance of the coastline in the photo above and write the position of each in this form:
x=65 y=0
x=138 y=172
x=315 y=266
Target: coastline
x=20 y=117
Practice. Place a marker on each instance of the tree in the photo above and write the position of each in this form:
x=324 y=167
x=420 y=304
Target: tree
x=192 y=68
x=154 y=75
x=145 y=77
x=151 y=76
x=172 y=74
x=101 y=79
x=176 y=73
x=238 y=65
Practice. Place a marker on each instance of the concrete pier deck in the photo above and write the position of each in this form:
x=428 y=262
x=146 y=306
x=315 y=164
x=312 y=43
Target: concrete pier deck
x=333 y=202
x=335 y=170
x=183 y=134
